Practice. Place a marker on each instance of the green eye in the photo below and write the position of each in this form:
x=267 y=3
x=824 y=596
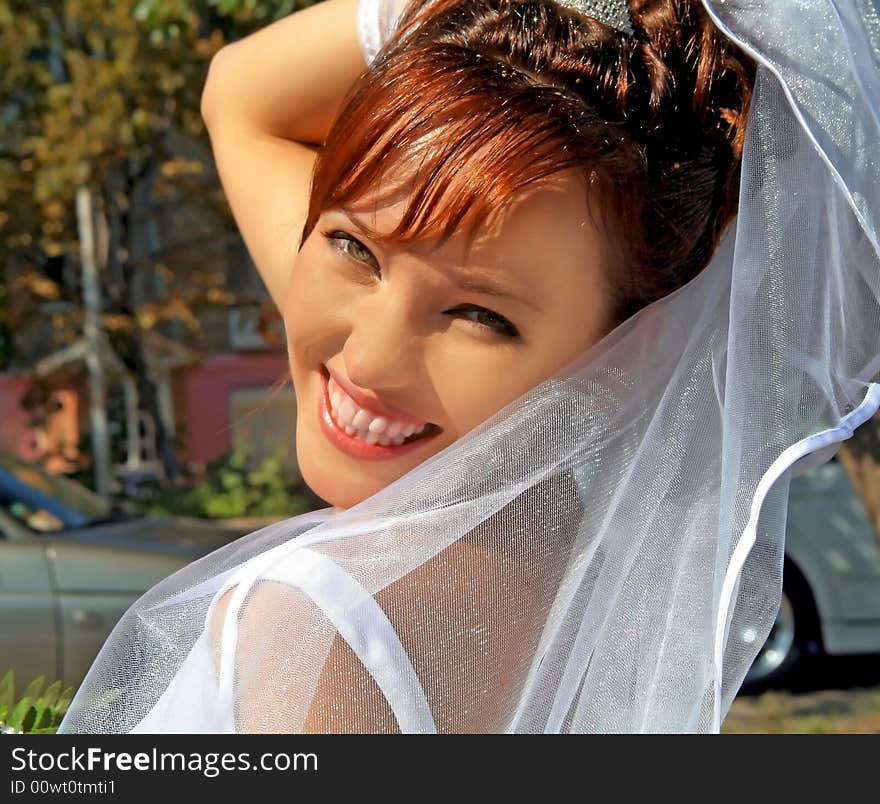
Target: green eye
x=496 y=323
x=357 y=250
x=351 y=247
x=492 y=323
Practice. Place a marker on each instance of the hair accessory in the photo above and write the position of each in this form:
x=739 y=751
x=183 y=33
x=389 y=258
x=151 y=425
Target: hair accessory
x=611 y=12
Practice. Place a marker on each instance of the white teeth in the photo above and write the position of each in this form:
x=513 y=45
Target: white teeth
x=378 y=425
x=364 y=425
x=361 y=419
x=347 y=410
x=394 y=430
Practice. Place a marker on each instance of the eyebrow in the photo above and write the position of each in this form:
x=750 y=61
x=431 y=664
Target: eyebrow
x=484 y=285
x=488 y=288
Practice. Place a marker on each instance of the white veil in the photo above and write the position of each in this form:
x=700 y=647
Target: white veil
x=605 y=553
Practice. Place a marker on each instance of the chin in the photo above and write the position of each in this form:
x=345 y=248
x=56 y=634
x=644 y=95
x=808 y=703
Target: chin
x=341 y=493
x=329 y=490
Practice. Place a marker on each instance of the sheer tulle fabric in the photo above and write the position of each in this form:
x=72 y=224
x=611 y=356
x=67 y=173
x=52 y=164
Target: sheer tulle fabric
x=605 y=553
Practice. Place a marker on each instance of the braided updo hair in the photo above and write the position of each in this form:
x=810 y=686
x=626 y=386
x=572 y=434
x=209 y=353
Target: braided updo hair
x=484 y=97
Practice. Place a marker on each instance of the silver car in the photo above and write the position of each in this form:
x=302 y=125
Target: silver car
x=831 y=579
x=70 y=566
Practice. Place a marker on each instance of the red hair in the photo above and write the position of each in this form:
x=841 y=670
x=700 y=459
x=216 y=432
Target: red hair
x=478 y=99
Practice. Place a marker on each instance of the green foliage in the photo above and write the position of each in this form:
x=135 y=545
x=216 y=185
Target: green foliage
x=38 y=710
x=241 y=16
x=237 y=484
x=102 y=94
x=88 y=85
x=86 y=89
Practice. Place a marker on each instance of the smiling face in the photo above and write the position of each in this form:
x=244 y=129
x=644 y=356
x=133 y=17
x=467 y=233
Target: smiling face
x=413 y=334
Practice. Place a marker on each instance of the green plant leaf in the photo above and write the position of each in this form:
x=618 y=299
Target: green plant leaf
x=64 y=699
x=33 y=689
x=106 y=698
x=30 y=717
x=43 y=720
x=7 y=690
x=50 y=696
x=19 y=713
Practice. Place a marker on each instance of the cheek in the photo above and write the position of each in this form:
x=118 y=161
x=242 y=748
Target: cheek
x=303 y=284
x=476 y=389
x=313 y=293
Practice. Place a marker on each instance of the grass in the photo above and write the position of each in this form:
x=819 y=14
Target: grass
x=850 y=711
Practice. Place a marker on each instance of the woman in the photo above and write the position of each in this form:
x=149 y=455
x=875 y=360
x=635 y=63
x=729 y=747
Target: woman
x=560 y=147
x=591 y=495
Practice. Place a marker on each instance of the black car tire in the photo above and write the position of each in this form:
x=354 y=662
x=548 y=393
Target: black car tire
x=793 y=638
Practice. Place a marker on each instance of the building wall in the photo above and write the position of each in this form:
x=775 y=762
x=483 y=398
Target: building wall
x=226 y=394
x=223 y=396
x=61 y=432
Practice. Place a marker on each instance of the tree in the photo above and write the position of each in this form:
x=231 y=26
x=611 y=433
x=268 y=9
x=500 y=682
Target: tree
x=101 y=97
x=860 y=457
x=104 y=95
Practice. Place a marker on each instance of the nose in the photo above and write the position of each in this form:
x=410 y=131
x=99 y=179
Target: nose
x=381 y=351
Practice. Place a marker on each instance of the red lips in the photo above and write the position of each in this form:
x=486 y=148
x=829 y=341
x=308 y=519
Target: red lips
x=355 y=447
x=372 y=404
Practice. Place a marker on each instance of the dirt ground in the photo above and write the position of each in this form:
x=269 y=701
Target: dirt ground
x=831 y=695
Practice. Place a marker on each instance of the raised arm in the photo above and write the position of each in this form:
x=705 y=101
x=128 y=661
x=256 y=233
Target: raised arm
x=269 y=99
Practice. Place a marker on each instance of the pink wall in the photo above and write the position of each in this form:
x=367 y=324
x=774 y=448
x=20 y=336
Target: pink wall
x=206 y=391
x=62 y=429
x=202 y=401
x=15 y=435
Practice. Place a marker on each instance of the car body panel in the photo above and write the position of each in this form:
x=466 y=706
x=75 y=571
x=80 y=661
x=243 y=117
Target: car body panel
x=832 y=543
x=70 y=566
x=28 y=615
x=86 y=620
x=62 y=592
x=68 y=595
x=83 y=568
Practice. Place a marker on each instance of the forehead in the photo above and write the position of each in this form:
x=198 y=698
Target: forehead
x=543 y=240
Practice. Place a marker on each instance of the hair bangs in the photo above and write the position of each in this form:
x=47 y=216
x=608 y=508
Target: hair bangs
x=455 y=167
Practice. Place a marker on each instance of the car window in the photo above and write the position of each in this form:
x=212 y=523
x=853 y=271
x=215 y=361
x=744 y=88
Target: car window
x=38 y=519
x=66 y=491
x=47 y=503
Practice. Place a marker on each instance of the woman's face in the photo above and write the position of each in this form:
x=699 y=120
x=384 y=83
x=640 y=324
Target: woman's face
x=412 y=340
